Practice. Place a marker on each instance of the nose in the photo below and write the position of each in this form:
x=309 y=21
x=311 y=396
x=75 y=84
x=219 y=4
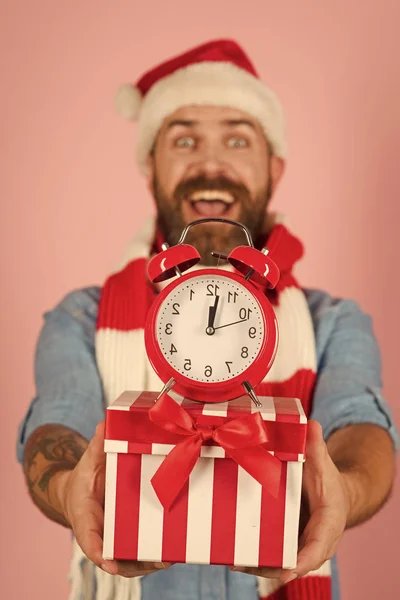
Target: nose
x=209 y=163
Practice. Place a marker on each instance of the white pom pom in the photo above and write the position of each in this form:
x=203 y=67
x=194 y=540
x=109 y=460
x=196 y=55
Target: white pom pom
x=128 y=102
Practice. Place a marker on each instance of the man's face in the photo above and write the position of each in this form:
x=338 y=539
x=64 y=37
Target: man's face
x=212 y=162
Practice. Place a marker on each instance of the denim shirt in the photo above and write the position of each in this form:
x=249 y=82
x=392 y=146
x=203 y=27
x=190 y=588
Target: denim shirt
x=69 y=392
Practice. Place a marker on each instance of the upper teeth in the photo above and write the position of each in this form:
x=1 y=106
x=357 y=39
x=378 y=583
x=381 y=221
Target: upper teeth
x=212 y=195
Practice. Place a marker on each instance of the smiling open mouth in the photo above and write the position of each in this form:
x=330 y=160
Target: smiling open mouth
x=211 y=203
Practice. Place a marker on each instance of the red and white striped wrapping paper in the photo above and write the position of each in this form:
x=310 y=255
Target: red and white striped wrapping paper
x=222 y=515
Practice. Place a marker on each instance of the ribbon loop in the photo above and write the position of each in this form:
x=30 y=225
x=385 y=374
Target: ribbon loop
x=241 y=438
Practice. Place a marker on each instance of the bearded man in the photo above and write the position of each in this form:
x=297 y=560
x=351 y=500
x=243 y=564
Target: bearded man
x=211 y=143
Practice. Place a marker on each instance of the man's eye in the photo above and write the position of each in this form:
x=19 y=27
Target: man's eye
x=237 y=142
x=185 y=142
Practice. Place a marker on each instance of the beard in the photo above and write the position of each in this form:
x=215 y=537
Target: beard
x=211 y=237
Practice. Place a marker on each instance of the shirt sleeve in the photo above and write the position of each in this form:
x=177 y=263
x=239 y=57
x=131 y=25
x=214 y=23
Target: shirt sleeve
x=349 y=383
x=68 y=386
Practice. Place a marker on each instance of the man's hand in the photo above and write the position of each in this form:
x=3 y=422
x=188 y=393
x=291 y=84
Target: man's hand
x=81 y=495
x=66 y=479
x=327 y=498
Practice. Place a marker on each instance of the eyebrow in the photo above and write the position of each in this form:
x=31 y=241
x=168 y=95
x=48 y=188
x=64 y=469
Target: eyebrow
x=227 y=122
x=182 y=123
x=236 y=122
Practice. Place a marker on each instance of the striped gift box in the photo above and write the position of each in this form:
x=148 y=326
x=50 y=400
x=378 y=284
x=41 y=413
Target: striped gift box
x=222 y=515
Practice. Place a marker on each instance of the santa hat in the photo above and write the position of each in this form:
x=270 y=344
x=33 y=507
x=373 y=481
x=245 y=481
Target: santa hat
x=217 y=73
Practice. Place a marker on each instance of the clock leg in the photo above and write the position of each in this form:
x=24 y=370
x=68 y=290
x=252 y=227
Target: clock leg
x=250 y=390
x=168 y=386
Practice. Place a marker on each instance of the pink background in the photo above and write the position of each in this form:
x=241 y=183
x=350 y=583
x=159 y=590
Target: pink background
x=71 y=197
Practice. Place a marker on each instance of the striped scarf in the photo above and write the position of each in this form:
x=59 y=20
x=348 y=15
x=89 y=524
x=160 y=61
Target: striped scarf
x=123 y=365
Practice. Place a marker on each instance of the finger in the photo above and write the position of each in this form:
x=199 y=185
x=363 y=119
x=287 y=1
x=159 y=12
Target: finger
x=319 y=546
x=128 y=568
x=259 y=571
x=88 y=528
x=311 y=557
x=136 y=573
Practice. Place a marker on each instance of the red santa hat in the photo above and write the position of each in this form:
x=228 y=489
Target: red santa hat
x=217 y=73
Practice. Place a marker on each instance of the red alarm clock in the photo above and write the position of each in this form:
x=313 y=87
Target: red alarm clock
x=212 y=334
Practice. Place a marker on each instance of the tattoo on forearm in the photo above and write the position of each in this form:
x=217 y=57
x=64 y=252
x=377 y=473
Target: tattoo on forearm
x=51 y=449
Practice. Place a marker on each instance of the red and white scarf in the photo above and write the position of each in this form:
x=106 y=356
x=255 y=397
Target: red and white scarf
x=123 y=365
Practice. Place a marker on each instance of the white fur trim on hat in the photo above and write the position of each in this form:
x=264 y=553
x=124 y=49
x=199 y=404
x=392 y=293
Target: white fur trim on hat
x=212 y=84
x=128 y=102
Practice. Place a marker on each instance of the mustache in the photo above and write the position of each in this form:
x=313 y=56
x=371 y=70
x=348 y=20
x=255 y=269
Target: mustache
x=196 y=184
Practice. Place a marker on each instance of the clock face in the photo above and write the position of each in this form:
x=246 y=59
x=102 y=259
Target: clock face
x=210 y=328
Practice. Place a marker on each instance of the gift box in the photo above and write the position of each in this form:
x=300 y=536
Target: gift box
x=202 y=483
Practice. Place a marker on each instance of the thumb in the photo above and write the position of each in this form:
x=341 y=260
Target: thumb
x=95 y=450
x=316 y=450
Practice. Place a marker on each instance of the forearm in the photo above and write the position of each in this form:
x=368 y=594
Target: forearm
x=50 y=452
x=364 y=456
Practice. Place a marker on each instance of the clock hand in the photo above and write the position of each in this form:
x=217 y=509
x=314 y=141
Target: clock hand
x=212 y=311
x=229 y=324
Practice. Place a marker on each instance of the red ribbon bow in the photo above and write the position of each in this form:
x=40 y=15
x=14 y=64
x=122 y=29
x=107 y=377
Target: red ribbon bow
x=241 y=438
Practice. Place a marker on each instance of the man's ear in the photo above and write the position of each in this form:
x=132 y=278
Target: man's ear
x=276 y=170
